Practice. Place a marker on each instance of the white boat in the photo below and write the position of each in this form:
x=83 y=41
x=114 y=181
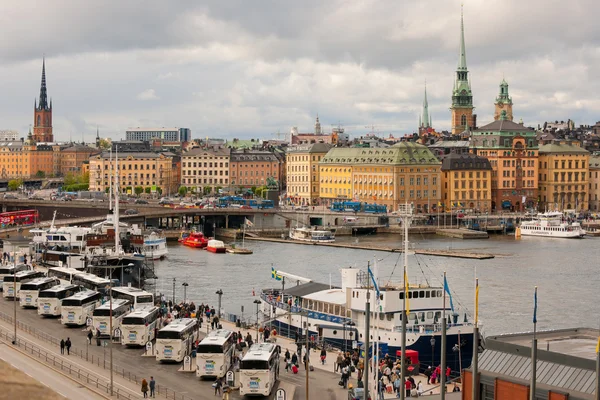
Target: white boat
x=215 y=246
x=155 y=246
x=312 y=235
x=551 y=224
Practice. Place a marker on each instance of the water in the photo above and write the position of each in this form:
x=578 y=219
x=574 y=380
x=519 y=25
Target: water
x=565 y=271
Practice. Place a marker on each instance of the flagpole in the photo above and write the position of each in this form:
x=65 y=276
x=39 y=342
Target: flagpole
x=367 y=326
x=474 y=377
x=405 y=221
x=443 y=364
x=533 y=350
x=598 y=369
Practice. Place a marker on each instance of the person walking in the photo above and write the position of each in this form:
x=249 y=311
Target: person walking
x=145 y=387
x=323 y=356
x=408 y=387
x=90 y=335
x=62 y=346
x=152 y=386
x=217 y=385
x=345 y=376
x=68 y=345
x=338 y=362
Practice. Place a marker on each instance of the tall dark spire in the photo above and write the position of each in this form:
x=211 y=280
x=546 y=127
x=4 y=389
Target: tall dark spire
x=43 y=104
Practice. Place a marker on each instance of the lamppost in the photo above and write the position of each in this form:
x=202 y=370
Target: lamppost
x=346 y=324
x=185 y=285
x=174 y=291
x=432 y=341
x=219 y=293
x=15 y=297
x=257 y=302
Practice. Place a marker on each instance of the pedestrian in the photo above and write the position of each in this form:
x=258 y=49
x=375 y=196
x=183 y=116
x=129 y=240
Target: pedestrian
x=338 y=362
x=145 y=387
x=419 y=387
x=433 y=378
x=380 y=389
x=448 y=371
x=323 y=356
x=62 y=346
x=407 y=386
x=68 y=345
x=295 y=359
x=152 y=386
x=90 y=335
x=345 y=376
x=217 y=385
x=397 y=387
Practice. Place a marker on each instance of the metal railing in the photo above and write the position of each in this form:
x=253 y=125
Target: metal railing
x=99 y=361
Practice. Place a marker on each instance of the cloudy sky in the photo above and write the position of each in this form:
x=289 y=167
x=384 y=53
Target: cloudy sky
x=240 y=68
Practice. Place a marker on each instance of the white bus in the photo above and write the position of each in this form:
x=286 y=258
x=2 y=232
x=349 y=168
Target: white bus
x=137 y=297
x=176 y=340
x=50 y=300
x=92 y=282
x=75 y=310
x=259 y=370
x=139 y=327
x=8 y=286
x=65 y=274
x=214 y=354
x=101 y=316
x=6 y=270
x=28 y=295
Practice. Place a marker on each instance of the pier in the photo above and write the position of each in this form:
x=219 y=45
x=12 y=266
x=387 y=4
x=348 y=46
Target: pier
x=462 y=233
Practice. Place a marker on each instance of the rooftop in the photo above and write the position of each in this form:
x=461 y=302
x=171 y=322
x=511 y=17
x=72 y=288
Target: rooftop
x=503 y=125
x=562 y=148
x=465 y=162
x=398 y=154
x=335 y=296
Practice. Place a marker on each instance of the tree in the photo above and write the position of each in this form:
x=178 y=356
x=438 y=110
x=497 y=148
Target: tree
x=70 y=179
x=40 y=174
x=182 y=191
x=206 y=190
x=138 y=190
x=159 y=190
x=107 y=190
x=105 y=144
x=253 y=188
x=14 y=184
x=148 y=190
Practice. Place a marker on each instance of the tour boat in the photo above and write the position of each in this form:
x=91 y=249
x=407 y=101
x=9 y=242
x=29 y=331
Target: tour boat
x=196 y=240
x=155 y=246
x=551 y=224
x=312 y=235
x=215 y=246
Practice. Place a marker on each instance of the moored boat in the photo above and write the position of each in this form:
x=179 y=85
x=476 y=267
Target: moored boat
x=215 y=246
x=305 y=234
x=196 y=240
x=551 y=224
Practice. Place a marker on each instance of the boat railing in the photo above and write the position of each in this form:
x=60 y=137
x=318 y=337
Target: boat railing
x=428 y=329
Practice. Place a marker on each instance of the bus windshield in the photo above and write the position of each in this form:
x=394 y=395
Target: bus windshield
x=101 y=312
x=255 y=364
x=145 y=299
x=168 y=335
x=72 y=302
x=210 y=349
x=133 y=321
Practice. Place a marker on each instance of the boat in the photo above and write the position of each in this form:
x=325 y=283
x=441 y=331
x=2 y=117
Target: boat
x=215 y=246
x=305 y=234
x=551 y=224
x=155 y=246
x=195 y=239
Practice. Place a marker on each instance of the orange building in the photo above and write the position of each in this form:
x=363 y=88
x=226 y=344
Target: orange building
x=249 y=168
x=73 y=157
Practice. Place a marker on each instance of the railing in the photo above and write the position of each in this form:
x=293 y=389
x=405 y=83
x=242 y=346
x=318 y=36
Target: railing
x=99 y=361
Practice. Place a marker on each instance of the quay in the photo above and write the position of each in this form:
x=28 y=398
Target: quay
x=462 y=233
x=371 y=246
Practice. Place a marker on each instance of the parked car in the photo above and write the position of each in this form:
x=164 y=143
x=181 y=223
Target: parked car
x=141 y=201
x=131 y=211
x=123 y=201
x=10 y=197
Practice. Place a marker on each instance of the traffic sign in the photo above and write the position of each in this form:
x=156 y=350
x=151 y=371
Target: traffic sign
x=117 y=333
x=280 y=395
x=230 y=379
x=187 y=362
x=149 y=346
x=88 y=321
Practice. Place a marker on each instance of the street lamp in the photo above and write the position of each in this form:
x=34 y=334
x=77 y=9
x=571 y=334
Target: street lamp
x=219 y=293
x=257 y=302
x=432 y=341
x=185 y=285
x=345 y=324
x=174 y=291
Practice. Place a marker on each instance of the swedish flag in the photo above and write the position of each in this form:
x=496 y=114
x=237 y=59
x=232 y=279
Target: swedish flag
x=275 y=275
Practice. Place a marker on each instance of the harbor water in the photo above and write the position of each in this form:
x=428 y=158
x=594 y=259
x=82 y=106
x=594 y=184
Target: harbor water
x=567 y=273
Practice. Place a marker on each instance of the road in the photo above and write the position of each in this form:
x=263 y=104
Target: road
x=323 y=384
x=47 y=376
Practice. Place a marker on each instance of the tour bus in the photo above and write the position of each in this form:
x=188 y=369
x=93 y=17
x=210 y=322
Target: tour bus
x=139 y=327
x=92 y=282
x=101 y=316
x=6 y=270
x=28 y=296
x=65 y=274
x=259 y=370
x=8 y=286
x=136 y=297
x=176 y=340
x=75 y=310
x=50 y=300
x=214 y=354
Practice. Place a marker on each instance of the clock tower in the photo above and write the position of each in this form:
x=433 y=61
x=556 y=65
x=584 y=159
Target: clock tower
x=503 y=103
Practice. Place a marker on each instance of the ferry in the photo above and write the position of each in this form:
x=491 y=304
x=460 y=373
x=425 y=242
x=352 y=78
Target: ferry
x=215 y=246
x=551 y=224
x=305 y=234
x=155 y=246
x=195 y=239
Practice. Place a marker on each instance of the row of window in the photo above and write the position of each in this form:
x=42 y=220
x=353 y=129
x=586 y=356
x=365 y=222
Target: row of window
x=205 y=172
x=511 y=184
x=472 y=184
x=469 y=195
x=190 y=164
x=205 y=180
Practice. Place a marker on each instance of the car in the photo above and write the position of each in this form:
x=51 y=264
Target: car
x=123 y=201
x=131 y=211
x=141 y=201
x=302 y=208
x=36 y=198
x=10 y=197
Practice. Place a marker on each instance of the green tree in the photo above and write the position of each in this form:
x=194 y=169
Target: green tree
x=70 y=179
x=14 y=184
x=105 y=144
x=159 y=190
x=182 y=191
x=148 y=190
x=253 y=188
x=138 y=190
x=40 y=174
x=107 y=190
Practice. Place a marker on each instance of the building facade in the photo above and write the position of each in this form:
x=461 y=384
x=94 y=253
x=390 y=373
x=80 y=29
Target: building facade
x=503 y=103
x=249 y=167
x=563 y=177
x=512 y=150
x=467 y=182
x=166 y=134
x=404 y=173
x=462 y=96
x=9 y=136
x=302 y=164
x=205 y=168
x=72 y=158
x=593 y=183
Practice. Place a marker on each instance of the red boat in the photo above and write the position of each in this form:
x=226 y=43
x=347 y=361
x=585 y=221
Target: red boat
x=216 y=246
x=195 y=239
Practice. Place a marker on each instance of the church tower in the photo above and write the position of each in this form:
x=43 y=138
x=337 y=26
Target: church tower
x=462 y=97
x=42 y=119
x=318 y=130
x=425 y=118
x=503 y=103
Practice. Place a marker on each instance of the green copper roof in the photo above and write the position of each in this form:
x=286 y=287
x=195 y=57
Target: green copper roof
x=403 y=153
x=462 y=97
x=462 y=60
x=425 y=121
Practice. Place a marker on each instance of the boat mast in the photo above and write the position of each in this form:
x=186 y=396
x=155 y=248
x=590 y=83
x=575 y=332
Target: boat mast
x=53 y=218
x=406 y=216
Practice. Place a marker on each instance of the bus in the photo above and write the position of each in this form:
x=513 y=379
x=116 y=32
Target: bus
x=28 y=296
x=50 y=300
x=259 y=370
x=18 y=218
x=265 y=204
x=139 y=327
x=137 y=297
x=8 y=285
x=75 y=310
x=6 y=270
x=65 y=274
x=214 y=354
x=101 y=316
x=176 y=340
x=91 y=282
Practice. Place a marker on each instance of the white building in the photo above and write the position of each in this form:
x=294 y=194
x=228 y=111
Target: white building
x=8 y=135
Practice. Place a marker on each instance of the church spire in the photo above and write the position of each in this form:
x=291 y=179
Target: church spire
x=462 y=60
x=43 y=104
x=425 y=120
x=462 y=96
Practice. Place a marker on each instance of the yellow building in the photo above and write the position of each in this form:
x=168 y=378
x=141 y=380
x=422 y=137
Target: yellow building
x=205 y=168
x=404 y=173
x=302 y=163
x=26 y=159
x=563 y=177
x=593 y=185
x=466 y=182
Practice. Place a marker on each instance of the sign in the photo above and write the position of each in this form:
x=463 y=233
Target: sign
x=354 y=344
x=60 y=263
x=230 y=378
x=88 y=321
x=280 y=394
x=117 y=333
x=153 y=188
x=187 y=362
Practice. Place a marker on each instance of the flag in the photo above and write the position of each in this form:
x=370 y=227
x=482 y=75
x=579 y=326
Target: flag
x=248 y=222
x=406 y=292
x=447 y=290
x=275 y=275
x=375 y=286
x=476 y=300
x=535 y=306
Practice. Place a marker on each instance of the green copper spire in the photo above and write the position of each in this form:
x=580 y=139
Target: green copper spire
x=425 y=120
x=461 y=94
x=462 y=60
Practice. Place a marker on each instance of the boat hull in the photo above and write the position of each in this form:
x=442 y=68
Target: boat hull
x=215 y=249
x=195 y=245
x=553 y=234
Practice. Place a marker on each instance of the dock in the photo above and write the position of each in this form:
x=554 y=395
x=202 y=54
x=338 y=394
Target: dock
x=462 y=233
x=371 y=246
